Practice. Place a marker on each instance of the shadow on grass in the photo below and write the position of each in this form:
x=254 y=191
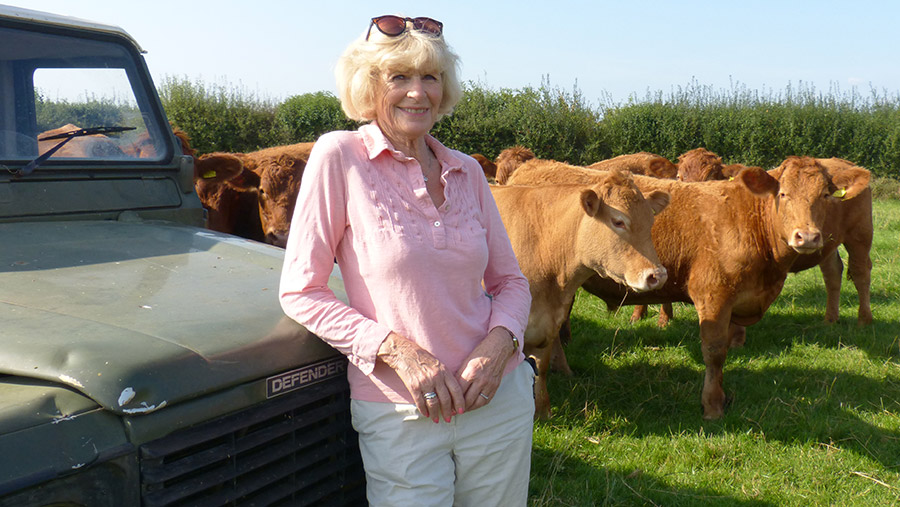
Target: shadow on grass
x=780 y=328
x=659 y=396
x=614 y=486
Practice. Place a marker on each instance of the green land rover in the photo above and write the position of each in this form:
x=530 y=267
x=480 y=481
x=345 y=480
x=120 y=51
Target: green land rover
x=144 y=359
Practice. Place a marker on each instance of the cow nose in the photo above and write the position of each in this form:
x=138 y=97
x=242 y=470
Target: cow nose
x=806 y=240
x=656 y=278
x=277 y=239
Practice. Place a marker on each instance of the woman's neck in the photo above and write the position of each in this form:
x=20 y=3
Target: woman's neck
x=414 y=148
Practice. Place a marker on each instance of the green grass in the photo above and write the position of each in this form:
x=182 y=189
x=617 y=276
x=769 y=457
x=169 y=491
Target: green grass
x=815 y=418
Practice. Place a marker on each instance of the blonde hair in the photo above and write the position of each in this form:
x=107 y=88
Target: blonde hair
x=364 y=61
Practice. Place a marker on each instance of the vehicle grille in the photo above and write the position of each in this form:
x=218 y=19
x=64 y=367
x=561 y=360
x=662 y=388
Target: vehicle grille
x=295 y=449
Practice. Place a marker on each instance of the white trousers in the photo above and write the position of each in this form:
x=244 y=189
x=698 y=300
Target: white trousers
x=480 y=458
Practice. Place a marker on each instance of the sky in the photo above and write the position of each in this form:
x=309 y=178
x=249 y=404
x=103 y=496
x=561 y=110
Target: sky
x=610 y=51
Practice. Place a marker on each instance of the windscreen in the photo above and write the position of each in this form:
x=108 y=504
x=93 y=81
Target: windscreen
x=53 y=85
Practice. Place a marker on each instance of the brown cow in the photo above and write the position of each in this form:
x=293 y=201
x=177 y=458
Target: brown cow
x=731 y=263
x=228 y=209
x=509 y=159
x=487 y=166
x=564 y=234
x=700 y=164
x=847 y=221
x=647 y=164
x=268 y=181
x=221 y=181
x=644 y=163
x=278 y=172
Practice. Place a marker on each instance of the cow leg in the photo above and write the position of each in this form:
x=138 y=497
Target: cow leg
x=558 y=361
x=542 y=357
x=639 y=312
x=859 y=269
x=737 y=335
x=714 y=343
x=666 y=314
x=832 y=269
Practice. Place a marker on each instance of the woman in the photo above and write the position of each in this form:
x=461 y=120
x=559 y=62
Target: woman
x=441 y=397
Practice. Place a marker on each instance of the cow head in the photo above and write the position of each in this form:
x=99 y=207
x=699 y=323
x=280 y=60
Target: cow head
x=802 y=191
x=227 y=191
x=487 y=166
x=699 y=164
x=278 y=186
x=510 y=159
x=614 y=238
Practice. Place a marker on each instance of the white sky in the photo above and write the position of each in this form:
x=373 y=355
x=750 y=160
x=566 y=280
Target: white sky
x=278 y=48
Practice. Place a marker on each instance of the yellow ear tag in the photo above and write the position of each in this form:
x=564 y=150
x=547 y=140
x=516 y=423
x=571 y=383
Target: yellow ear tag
x=731 y=178
x=209 y=175
x=841 y=192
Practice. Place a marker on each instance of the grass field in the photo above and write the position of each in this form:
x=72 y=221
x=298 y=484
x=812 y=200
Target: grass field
x=815 y=418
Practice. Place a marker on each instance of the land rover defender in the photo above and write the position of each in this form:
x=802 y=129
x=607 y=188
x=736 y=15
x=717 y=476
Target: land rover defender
x=144 y=359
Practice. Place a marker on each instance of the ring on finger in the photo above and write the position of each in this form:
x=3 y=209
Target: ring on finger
x=484 y=396
x=430 y=396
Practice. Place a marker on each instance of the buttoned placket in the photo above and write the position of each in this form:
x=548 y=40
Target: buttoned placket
x=433 y=214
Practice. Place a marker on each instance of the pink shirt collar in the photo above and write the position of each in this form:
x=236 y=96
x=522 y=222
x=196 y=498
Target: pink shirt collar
x=376 y=143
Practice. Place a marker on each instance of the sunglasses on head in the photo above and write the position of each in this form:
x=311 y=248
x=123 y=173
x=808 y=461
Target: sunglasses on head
x=392 y=26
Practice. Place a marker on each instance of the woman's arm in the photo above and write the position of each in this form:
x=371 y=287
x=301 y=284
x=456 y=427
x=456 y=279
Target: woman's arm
x=317 y=228
x=510 y=304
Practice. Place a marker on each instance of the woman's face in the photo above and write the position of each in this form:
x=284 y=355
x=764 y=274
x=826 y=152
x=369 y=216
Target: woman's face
x=407 y=103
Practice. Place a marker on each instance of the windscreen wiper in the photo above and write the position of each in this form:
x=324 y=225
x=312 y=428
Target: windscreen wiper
x=66 y=137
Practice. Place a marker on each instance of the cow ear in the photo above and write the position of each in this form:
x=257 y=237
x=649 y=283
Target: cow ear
x=758 y=181
x=245 y=180
x=658 y=201
x=850 y=182
x=217 y=167
x=591 y=202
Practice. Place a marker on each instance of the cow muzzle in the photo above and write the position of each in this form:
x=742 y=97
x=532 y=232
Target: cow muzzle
x=806 y=241
x=650 y=279
x=277 y=239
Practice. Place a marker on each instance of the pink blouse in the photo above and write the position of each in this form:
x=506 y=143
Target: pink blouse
x=442 y=277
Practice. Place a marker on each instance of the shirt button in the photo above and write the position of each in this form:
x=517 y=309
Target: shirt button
x=437 y=224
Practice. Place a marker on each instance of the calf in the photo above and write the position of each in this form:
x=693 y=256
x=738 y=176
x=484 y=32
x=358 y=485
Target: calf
x=733 y=258
x=563 y=235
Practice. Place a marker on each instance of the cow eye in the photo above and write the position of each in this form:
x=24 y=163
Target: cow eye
x=618 y=223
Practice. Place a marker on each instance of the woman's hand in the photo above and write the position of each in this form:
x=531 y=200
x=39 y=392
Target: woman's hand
x=423 y=374
x=482 y=371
